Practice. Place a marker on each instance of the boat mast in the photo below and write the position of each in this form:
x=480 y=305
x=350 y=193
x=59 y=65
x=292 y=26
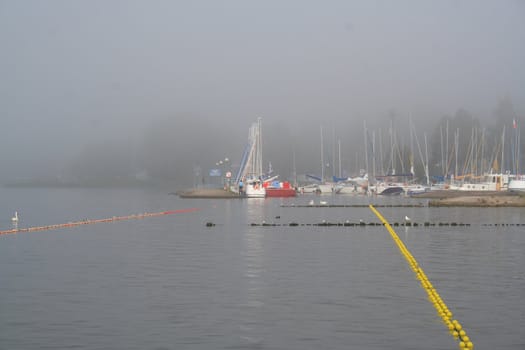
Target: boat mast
x=294 y=169
x=322 y=156
x=427 y=173
x=374 y=153
x=411 y=157
x=339 y=144
x=456 y=146
x=442 y=159
x=518 y=133
x=482 y=158
x=366 y=147
x=502 y=167
x=381 y=158
x=357 y=161
x=392 y=146
x=257 y=164
x=447 y=168
x=333 y=152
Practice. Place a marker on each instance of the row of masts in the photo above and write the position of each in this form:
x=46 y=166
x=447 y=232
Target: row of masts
x=477 y=159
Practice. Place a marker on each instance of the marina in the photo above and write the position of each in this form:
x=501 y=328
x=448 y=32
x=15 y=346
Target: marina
x=234 y=175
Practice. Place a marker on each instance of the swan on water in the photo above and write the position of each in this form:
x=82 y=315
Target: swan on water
x=15 y=218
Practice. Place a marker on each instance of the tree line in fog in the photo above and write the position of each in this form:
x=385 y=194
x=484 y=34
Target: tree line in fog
x=179 y=151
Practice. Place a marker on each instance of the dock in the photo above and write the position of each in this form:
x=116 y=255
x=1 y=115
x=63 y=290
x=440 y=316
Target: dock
x=208 y=193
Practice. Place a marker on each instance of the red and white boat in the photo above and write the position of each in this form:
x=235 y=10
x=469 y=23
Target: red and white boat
x=279 y=189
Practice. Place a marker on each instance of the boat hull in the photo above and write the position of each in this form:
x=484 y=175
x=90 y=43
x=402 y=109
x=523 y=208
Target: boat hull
x=280 y=192
x=309 y=189
x=517 y=185
x=392 y=191
x=326 y=188
x=255 y=192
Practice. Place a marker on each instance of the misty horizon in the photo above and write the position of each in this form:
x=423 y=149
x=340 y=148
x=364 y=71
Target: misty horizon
x=119 y=88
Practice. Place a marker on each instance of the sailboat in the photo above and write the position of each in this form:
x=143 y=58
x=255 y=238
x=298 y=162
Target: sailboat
x=517 y=184
x=250 y=171
x=324 y=187
x=490 y=180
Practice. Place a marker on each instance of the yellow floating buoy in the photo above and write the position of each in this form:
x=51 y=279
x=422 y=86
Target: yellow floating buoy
x=453 y=326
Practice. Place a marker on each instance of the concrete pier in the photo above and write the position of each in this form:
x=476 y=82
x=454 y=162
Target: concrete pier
x=207 y=193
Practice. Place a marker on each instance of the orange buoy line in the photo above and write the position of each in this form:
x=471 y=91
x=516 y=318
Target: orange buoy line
x=96 y=221
x=455 y=328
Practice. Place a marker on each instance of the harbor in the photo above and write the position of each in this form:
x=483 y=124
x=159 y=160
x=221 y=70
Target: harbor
x=487 y=183
x=433 y=198
x=254 y=175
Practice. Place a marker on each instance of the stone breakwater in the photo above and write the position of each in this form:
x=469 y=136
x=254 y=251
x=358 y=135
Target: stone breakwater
x=479 y=200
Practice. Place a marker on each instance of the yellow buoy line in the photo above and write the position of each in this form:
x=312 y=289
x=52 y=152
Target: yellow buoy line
x=455 y=328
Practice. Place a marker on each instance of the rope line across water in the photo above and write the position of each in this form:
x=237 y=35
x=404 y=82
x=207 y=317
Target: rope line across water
x=96 y=221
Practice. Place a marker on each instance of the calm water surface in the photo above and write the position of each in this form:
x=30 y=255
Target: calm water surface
x=170 y=282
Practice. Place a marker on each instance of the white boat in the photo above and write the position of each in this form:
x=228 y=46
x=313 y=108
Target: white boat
x=352 y=185
x=517 y=184
x=487 y=182
x=349 y=188
x=417 y=189
x=326 y=187
x=388 y=188
x=254 y=189
x=312 y=188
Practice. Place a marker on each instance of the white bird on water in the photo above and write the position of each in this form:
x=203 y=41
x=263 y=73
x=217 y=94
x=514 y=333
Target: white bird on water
x=311 y=202
x=407 y=219
x=15 y=218
x=323 y=203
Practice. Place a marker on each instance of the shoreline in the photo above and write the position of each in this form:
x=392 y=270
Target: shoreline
x=207 y=193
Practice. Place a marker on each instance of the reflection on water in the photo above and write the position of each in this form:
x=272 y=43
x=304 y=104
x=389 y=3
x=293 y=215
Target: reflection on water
x=252 y=284
x=255 y=209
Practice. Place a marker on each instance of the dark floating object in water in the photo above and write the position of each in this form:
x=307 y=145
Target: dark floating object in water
x=210 y=224
x=362 y=223
x=278 y=217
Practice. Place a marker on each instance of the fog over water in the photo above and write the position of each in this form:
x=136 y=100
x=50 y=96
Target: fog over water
x=109 y=89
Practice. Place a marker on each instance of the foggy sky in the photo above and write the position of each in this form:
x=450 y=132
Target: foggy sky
x=75 y=75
